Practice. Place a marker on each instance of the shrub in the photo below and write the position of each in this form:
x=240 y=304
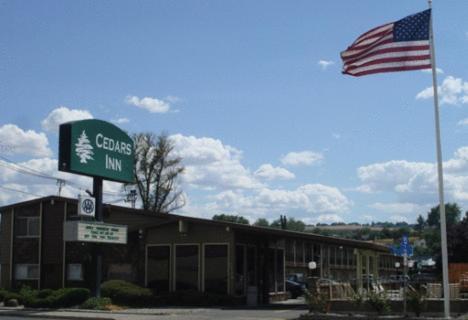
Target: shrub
x=45 y=293
x=11 y=303
x=379 y=302
x=96 y=303
x=359 y=298
x=417 y=302
x=3 y=292
x=61 y=298
x=68 y=297
x=126 y=293
x=317 y=301
x=13 y=295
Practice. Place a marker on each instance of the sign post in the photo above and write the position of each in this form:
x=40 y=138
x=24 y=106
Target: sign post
x=100 y=150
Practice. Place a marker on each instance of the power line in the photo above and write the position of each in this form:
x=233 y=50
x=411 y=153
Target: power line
x=21 y=191
x=20 y=168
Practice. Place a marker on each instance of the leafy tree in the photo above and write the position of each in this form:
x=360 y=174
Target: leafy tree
x=291 y=224
x=230 y=218
x=420 y=224
x=457 y=238
x=156 y=173
x=452 y=214
x=261 y=222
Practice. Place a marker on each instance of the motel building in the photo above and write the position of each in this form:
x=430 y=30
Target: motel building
x=45 y=244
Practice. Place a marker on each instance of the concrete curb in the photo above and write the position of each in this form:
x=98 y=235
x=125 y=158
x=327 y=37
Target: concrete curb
x=34 y=314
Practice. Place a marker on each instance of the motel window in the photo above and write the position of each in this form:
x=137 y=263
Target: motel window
x=186 y=267
x=26 y=272
x=158 y=267
x=299 y=252
x=271 y=267
x=345 y=257
x=216 y=264
x=27 y=226
x=251 y=266
x=74 y=272
x=317 y=254
x=240 y=272
x=339 y=256
x=332 y=255
x=290 y=251
x=280 y=270
x=308 y=252
x=352 y=258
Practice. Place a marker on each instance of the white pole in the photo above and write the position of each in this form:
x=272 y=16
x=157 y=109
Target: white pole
x=443 y=228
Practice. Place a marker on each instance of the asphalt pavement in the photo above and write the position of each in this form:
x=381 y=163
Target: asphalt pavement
x=159 y=314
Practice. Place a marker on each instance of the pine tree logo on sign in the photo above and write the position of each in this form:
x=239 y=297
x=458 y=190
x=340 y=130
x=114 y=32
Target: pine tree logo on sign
x=84 y=149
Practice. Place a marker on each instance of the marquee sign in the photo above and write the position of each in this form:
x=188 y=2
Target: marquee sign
x=94 y=232
x=96 y=148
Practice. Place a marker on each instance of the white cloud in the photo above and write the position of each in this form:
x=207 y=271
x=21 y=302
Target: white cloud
x=453 y=91
x=397 y=218
x=211 y=164
x=400 y=208
x=438 y=71
x=306 y=158
x=324 y=64
x=463 y=122
x=63 y=114
x=268 y=172
x=121 y=120
x=328 y=218
x=416 y=182
x=307 y=201
x=336 y=136
x=150 y=104
x=14 y=140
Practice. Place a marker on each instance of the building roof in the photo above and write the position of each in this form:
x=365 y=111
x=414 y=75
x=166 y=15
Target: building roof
x=172 y=218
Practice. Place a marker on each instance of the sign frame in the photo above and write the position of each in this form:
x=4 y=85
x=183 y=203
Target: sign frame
x=96 y=148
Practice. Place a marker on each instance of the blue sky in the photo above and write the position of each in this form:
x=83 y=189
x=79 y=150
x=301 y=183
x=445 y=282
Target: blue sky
x=251 y=92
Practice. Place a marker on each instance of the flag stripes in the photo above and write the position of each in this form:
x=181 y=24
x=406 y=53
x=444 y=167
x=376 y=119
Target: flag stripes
x=398 y=46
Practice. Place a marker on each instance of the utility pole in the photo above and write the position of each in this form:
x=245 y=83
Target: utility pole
x=132 y=197
x=60 y=184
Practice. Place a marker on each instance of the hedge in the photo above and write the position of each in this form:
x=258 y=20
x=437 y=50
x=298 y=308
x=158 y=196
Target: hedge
x=126 y=293
x=61 y=298
x=96 y=303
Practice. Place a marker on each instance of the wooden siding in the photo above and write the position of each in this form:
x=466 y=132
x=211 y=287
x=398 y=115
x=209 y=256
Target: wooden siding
x=5 y=247
x=52 y=244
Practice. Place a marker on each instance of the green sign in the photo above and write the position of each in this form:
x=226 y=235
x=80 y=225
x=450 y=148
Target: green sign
x=96 y=148
x=94 y=232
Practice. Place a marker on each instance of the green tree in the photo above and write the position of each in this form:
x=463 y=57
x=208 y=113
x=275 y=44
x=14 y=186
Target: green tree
x=291 y=224
x=156 y=173
x=452 y=214
x=420 y=224
x=261 y=222
x=230 y=218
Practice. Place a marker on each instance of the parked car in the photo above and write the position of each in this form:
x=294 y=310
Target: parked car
x=298 y=277
x=295 y=289
x=423 y=278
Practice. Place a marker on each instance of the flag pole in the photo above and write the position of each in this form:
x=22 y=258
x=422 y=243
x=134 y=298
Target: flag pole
x=443 y=227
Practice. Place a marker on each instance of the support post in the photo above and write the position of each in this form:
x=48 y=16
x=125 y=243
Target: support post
x=405 y=282
x=443 y=228
x=97 y=193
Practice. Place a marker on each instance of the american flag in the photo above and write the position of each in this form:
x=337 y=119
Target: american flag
x=398 y=46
